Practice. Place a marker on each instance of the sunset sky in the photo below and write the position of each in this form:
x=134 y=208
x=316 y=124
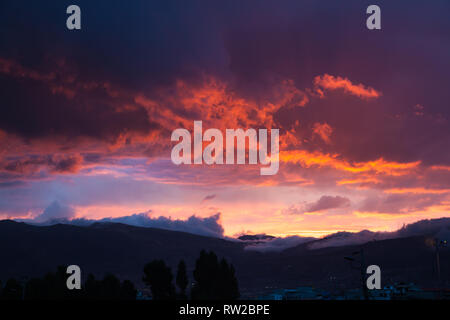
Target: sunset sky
x=86 y=116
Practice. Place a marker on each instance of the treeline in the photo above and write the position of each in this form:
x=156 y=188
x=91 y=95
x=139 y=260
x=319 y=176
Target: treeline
x=53 y=287
x=212 y=280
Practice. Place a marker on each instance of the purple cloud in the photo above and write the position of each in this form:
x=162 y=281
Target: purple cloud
x=328 y=202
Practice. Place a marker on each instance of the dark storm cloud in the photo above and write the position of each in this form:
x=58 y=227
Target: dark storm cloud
x=134 y=47
x=138 y=45
x=405 y=61
x=83 y=83
x=67 y=163
x=31 y=110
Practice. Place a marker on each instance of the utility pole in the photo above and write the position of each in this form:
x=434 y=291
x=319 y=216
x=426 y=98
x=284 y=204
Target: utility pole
x=362 y=270
x=363 y=275
x=439 y=243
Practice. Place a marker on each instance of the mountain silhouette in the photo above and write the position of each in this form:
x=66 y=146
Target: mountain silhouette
x=100 y=248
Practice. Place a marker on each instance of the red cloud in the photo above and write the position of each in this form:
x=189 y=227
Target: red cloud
x=329 y=82
x=323 y=130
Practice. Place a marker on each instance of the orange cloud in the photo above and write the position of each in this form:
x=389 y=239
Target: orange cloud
x=212 y=102
x=323 y=130
x=364 y=180
x=444 y=168
x=309 y=159
x=329 y=82
x=379 y=215
x=417 y=191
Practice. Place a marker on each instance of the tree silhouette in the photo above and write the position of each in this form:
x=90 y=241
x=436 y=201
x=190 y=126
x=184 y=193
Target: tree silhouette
x=182 y=279
x=92 y=287
x=159 y=278
x=205 y=273
x=35 y=289
x=109 y=288
x=12 y=290
x=127 y=290
x=214 y=281
x=228 y=281
x=51 y=287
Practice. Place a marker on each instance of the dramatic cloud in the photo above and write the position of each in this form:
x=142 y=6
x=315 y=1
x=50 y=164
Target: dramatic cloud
x=86 y=117
x=319 y=159
x=62 y=163
x=90 y=109
x=209 y=226
x=55 y=212
x=323 y=130
x=329 y=82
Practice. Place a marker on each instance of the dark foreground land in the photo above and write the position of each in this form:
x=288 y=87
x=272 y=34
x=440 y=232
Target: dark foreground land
x=31 y=251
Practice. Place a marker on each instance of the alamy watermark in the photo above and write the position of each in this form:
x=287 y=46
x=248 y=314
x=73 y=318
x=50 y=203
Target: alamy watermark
x=213 y=153
x=374 y=280
x=74 y=280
